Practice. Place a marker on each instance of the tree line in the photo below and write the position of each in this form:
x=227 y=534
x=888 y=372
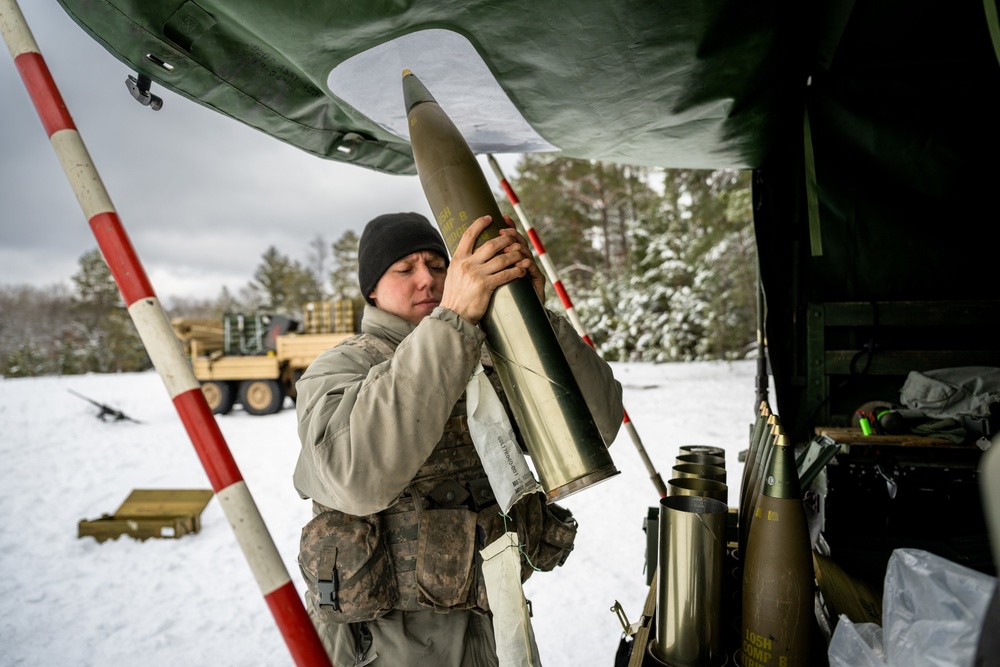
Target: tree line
x=660 y=266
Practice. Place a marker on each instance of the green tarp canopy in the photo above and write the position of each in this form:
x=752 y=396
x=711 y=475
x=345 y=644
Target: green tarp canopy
x=639 y=82
x=871 y=127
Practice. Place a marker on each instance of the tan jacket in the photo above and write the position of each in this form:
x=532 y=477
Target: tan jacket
x=366 y=428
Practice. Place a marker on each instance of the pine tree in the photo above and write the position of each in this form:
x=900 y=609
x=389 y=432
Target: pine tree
x=713 y=213
x=108 y=338
x=26 y=360
x=39 y=321
x=344 y=276
x=283 y=286
x=319 y=253
x=657 y=278
x=583 y=210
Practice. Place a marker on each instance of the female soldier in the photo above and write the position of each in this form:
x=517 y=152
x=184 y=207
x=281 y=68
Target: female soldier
x=401 y=501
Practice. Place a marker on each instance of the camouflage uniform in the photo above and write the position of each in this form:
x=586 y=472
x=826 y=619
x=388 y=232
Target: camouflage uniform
x=401 y=503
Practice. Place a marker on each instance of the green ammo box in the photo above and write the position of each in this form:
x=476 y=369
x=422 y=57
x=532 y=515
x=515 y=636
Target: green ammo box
x=164 y=513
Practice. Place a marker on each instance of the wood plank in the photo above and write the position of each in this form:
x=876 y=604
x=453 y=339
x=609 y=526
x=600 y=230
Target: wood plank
x=911 y=313
x=645 y=631
x=854 y=437
x=901 y=362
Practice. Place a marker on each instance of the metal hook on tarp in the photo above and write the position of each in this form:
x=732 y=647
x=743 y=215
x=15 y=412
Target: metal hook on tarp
x=139 y=88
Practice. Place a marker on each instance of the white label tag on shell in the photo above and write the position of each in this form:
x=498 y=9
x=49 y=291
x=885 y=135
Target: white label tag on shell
x=508 y=471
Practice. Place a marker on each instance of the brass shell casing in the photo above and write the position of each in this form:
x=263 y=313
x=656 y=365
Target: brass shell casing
x=698 y=486
x=690 y=572
x=701 y=459
x=701 y=470
x=711 y=450
x=566 y=447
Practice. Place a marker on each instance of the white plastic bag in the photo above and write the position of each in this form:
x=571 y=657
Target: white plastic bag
x=932 y=614
x=857 y=645
x=932 y=610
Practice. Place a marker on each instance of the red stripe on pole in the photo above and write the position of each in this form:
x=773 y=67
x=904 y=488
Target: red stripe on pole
x=510 y=192
x=626 y=419
x=133 y=284
x=563 y=296
x=44 y=94
x=536 y=241
x=296 y=627
x=586 y=339
x=121 y=257
x=207 y=439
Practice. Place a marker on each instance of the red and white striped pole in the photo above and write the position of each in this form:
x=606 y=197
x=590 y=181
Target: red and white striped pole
x=162 y=344
x=553 y=276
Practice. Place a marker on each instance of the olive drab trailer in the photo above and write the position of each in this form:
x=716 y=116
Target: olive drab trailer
x=255 y=360
x=870 y=130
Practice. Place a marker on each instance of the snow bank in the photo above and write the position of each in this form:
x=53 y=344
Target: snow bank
x=193 y=600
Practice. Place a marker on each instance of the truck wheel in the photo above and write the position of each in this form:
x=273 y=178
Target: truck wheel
x=219 y=396
x=261 y=397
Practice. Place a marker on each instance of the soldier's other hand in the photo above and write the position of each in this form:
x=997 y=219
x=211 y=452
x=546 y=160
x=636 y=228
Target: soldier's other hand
x=528 y=263
x=475 y=273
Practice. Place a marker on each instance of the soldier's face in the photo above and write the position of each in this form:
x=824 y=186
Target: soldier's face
x=411 y=288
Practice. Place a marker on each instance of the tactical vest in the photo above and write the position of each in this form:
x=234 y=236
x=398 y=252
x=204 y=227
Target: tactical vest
x=423 y=551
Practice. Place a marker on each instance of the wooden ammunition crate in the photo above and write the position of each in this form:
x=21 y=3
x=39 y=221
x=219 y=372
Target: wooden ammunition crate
x=324 y=317
x=146 y=513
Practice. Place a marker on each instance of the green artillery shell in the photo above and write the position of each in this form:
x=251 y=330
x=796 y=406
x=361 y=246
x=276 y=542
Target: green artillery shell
x=778 y=579
x=558 y=429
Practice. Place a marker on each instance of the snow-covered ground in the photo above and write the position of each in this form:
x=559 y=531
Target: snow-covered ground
x=193 y=600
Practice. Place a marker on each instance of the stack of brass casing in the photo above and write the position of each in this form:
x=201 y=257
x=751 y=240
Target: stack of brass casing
x=558 y=429
x=710 y=450
x=699 y=470
x=778 y=579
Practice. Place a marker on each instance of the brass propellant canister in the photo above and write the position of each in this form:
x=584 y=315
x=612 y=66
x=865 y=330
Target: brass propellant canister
x=778 y=578
x=555 y=422
x=690 y=572
x=701 y=470
x=701 y=459
x=711 y=450
x=698 y=486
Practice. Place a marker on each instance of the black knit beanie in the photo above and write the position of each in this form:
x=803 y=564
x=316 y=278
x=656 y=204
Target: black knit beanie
x=389 y=238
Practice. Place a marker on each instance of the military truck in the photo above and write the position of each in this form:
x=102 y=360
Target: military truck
x=254 y=360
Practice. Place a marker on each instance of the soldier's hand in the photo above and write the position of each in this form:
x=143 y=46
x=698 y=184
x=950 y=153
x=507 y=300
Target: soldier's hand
x=475 y=273
x=537 y=277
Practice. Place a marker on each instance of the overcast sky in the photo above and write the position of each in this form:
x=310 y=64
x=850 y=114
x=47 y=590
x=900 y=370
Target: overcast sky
x=200 y=195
